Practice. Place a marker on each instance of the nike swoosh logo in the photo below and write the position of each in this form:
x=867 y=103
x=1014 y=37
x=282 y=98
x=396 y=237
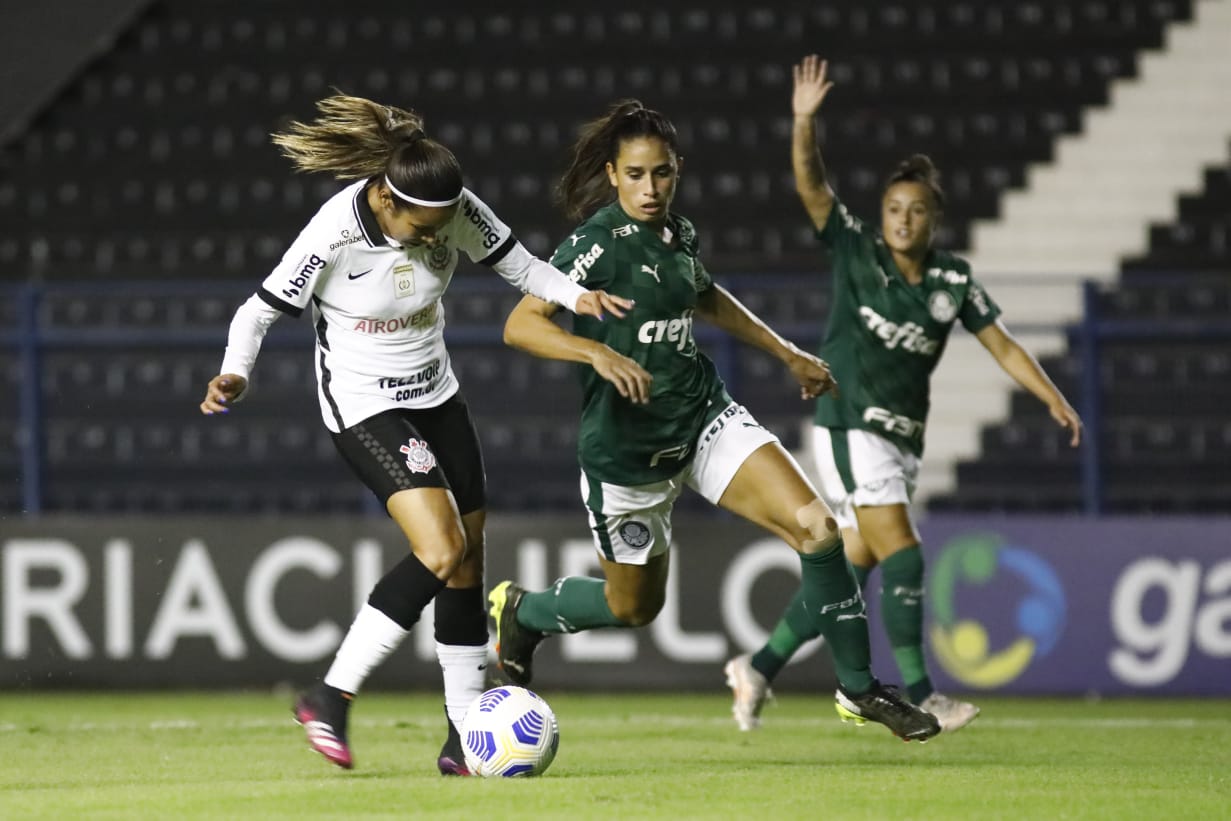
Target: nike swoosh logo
x=362 y=274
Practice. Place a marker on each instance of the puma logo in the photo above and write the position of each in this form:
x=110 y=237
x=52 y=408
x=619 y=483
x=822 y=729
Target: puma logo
x=645 y=269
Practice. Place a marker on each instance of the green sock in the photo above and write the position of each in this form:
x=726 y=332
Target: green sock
x=792 y=631
x=861 y=576
x=571 y=604
x=836 y=608
x=902 y=610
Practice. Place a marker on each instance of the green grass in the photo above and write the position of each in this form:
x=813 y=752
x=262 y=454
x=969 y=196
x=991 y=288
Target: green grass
x=141 y=755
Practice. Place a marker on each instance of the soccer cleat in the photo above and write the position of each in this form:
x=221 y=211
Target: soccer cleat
x=515 y=644
x=884 y=706
x=452 y=761
x=322 y=713
x=952 y=714
x=751 y=691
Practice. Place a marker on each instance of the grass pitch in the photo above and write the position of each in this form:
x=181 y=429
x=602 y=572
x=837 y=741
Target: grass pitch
x=239 y=756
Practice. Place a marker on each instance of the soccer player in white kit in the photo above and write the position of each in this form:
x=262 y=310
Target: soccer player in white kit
x=373 y=263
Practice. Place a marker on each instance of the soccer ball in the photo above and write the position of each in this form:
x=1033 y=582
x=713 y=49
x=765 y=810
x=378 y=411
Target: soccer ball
x=509 y=731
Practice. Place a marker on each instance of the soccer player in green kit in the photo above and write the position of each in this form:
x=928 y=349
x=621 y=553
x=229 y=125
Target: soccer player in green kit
x=656 y=417
x=895 y=300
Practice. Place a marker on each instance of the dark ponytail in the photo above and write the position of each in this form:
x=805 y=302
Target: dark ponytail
x=584 y=185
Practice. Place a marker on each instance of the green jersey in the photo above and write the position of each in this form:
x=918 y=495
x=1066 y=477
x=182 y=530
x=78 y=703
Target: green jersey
x=886 y=335
x=619 y=442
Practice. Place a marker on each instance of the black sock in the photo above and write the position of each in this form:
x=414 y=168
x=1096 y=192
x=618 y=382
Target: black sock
x=461 y=618
x=404 y=591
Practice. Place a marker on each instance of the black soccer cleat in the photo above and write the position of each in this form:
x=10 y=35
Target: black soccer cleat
x=884 y=706
x=322 y=712
x=452 y=759
x=515 y=644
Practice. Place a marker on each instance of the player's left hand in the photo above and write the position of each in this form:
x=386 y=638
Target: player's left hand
x=594 y=303
x=812 y=373
x=1066 y=417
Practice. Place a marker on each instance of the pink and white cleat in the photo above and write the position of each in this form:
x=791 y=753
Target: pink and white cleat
x=322 y=713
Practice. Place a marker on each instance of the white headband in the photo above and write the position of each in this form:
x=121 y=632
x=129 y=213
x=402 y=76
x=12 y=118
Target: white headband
x=417 y=201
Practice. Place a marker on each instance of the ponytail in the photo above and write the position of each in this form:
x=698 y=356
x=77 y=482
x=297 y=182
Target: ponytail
x=584 y=185
x=353 y=138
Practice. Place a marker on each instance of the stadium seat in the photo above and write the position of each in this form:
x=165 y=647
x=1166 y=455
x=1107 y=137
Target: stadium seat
x=155 y=165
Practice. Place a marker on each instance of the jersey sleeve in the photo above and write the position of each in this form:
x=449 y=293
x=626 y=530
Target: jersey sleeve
x=586 y=257
x=978 y=309
x=691 y=245
x=533 y=276
x=701 y=279
x=303 y=267
x=478 y=232
x=843 y=230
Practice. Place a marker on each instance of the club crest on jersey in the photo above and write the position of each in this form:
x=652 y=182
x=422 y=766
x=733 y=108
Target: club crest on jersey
x=404 y=281
x=687 y=233
x=440 y=257
x=941 y=306
x=419 y=457
x=635 y=534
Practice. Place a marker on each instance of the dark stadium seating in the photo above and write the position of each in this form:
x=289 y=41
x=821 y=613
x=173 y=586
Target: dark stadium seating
x=1164 y=392
x=1200 y=239
x=157 y=161
x=156 y=165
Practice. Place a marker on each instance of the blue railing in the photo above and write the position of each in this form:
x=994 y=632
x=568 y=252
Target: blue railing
x=1091 y=333
x=31 y=339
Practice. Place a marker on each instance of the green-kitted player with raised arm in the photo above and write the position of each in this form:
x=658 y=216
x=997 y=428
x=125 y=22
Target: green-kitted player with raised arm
x=895 y=299
x=656 y=417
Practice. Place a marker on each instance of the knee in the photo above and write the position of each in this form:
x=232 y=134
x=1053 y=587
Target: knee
x=817 y=529
x=635 y=612
x=469 y=572
x=444 y=553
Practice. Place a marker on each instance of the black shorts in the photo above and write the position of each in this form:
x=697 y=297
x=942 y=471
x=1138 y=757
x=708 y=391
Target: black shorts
x=433 y=447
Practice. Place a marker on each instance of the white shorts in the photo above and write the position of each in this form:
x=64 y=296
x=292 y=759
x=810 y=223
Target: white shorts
x=857 y=468
x=633 y=524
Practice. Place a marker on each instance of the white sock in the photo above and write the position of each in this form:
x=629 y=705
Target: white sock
x=372 y=637
x=465 y=674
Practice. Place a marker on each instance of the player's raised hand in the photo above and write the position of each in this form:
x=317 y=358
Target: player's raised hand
x=221 y=393
x=594 y=303
x=810 y=86
x=629 y=378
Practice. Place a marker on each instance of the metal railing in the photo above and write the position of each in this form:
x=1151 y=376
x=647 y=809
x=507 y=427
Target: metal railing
x=30 y=340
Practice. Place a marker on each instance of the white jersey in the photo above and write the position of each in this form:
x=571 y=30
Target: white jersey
x=376 y=305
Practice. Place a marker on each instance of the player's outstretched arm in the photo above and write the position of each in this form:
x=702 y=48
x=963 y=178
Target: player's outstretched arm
x=718 y=307
x=1020 y=364
x=530 y=328
x=811 y=183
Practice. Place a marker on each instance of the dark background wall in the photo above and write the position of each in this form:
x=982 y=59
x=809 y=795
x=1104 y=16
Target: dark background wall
x=44 y=44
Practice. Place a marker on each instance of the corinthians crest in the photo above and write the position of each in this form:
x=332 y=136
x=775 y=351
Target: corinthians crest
x=419 y=457
x=440 y=256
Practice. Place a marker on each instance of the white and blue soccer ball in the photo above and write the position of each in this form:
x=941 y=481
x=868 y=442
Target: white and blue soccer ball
x=509 y=731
